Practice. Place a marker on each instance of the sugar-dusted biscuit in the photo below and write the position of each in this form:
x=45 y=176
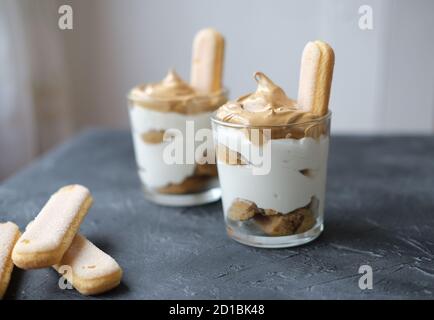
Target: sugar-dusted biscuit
x=207 y=61
x=92 y=271
x=9 y=234
x=316 y=74
x=44 y=243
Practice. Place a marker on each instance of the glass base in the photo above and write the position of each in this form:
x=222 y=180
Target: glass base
x=184 y=200
x=275 y=242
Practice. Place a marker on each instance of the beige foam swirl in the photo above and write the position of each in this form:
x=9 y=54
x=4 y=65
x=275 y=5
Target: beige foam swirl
x=267 y=106
x=172 y=94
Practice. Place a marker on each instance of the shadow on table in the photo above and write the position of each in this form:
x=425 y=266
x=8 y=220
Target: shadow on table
x=210 y=209
x=14 y=284
x=120 y=291
x=358 y=236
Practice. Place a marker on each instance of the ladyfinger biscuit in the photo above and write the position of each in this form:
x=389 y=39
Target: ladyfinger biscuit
x=92 y=270
x=242 y=210
x=207 y=61
x=9 y=234
x=299 y=221
x=49 y=236
x=316 y=74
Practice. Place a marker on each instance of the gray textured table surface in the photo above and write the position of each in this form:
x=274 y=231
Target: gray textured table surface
x=380 y=212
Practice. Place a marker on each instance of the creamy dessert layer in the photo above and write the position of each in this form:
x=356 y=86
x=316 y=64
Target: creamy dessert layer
x=286 y=200
x=159 y=113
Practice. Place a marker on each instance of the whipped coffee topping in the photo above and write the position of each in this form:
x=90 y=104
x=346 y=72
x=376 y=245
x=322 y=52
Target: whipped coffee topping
x=171 y=87
x=267 y=106
x=173 y=94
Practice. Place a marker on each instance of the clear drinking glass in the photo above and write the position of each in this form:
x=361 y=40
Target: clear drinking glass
x=273 y=180
x=174 y=183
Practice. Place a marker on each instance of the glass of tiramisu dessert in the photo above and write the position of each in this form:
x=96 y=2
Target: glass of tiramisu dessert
x=272 y=156
x=168 y=119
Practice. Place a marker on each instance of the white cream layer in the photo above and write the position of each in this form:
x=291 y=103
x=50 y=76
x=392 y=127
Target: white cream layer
x=154 y=172
x=284 y=188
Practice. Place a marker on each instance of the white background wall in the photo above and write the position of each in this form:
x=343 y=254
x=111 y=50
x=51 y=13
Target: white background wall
x=384 y=78
x=54 y=83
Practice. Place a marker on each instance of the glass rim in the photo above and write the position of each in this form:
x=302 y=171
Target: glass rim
x=318 y=120
x=224 y=92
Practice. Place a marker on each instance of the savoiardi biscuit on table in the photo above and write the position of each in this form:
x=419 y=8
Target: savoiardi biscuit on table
x=92 y=271
x=9 y=234
x=89 y=269
x=45 y=241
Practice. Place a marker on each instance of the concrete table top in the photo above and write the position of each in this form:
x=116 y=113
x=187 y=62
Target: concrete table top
x=379 y=212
